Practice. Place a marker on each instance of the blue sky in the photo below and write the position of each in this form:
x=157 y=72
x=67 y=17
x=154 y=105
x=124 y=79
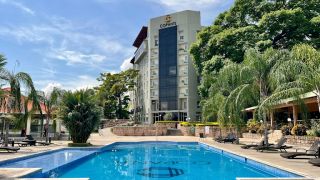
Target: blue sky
x=68 y=43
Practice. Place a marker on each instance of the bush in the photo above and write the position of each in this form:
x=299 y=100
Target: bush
x=285 y=129
x=262 y=128
x=299 y=130
x=80 y=115
x=315 y=129
x=168 y=116
x=253 y=126
x=199 y=124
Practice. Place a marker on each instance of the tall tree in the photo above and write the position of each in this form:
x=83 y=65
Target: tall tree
x=113 y=92
x=263 y=24
x=16 y=82
x=299 y=75
x=50 y=101
x=257 y=76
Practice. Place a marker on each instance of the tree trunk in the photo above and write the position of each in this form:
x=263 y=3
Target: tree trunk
x=41 y=127
x=318 y=101
x=6 y=140
x=47 y=125
x=265 y=129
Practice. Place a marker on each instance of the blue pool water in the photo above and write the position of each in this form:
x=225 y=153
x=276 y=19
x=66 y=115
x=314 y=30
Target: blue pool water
x=151 y=160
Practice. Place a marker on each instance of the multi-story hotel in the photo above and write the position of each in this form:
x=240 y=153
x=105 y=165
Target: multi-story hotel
x=167 y=81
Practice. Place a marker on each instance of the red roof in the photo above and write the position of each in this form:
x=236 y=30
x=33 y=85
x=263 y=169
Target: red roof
x=3 y=109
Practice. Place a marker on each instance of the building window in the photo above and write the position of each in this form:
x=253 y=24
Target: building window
x=156 y=42
x=184 y=105
x=172 y=70
x=198 y=104
x=164 y=105
x=181 y=37
x=185 y=59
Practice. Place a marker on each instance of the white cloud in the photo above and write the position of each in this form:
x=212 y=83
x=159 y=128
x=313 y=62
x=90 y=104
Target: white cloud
x=50 y=86
x=126 y=64
x=73 y=83
x=18 y=5
x=75 y=57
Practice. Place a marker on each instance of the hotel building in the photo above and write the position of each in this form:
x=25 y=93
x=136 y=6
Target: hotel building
x=167 y=81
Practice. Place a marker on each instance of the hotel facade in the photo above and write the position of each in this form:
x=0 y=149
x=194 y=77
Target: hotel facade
x=167 y=81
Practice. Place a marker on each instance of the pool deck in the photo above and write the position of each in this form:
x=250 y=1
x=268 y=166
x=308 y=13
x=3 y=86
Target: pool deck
x=299 y=166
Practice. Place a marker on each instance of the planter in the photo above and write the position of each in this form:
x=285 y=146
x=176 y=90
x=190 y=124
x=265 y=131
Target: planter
x=79 y=144
x=302 y=140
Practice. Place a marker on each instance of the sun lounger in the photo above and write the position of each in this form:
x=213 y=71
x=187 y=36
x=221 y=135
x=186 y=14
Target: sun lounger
x=312 y=151
x=9 y=149
x=279 y=146
x=30 y=142
x=230 y=138
x=315 y=161
x=43 y=143
x=248 y=146
x=21 y=143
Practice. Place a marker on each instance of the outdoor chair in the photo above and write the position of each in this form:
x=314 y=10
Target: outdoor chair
x=9 y=149
x=279 y=146
x=315 y=161
x=229 y=138
x=312 y=151
x=252 y=145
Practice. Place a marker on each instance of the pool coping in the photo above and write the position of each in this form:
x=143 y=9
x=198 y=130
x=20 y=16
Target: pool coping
x=30 y=171
x=262 y=162
x=33 y=171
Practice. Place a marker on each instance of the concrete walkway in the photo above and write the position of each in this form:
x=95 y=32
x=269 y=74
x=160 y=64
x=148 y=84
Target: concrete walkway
x=300 y=166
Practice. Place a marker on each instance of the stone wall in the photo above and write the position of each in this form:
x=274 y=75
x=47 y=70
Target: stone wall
x=302 y=140
x=167 y=124
x=187 y=130
x=214 y=131
x=139 y=131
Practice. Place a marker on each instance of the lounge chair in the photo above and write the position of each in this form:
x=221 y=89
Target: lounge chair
x=312 y=151
x=229 y=138
x=9 y=149
x=248 y=146
x=279 y=146
x=43 y=143
x=315 y=161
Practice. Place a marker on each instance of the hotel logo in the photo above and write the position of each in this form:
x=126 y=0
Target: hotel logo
x=167 y=19
x=167 y=22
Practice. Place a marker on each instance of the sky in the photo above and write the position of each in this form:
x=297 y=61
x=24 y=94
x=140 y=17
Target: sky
x=68 y=43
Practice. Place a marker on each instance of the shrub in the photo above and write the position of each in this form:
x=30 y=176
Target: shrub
x=299 y=130
x=262 y=127
x=79 y=114
x=168 y=116
x=199 y=124
x=315 y=129
x=253 y=126
x=285 y=129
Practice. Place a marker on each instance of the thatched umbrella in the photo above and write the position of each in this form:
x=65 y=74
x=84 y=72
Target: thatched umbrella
x=7 y=118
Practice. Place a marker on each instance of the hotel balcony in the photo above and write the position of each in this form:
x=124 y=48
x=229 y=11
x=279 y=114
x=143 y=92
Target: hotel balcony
x=141 y=51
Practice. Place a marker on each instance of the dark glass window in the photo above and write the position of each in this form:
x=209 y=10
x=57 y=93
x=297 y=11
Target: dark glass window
x=168 y=68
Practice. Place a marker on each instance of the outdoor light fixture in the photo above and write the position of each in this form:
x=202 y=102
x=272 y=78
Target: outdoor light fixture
x=289 y=119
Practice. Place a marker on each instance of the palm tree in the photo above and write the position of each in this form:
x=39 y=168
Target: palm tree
x=3 y=62
x=50 y=101
x=257 y=78
x=16 y=82
x=299 y=75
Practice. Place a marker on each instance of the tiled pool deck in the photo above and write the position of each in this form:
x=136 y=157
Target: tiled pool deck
x=299 y=166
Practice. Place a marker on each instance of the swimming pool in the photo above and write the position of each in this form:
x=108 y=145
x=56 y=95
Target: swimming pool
x=148 y=160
